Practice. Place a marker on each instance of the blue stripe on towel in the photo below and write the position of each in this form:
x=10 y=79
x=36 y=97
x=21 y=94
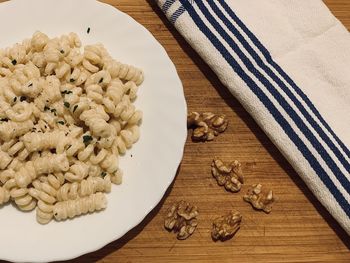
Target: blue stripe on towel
x=277 y=95
x=271 y=108
x=177 y=14
x=167 y=4
x=269 y=59
x=272 y=75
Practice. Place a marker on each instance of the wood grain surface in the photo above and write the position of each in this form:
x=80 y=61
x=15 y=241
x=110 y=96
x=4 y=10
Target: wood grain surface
x=299 y=229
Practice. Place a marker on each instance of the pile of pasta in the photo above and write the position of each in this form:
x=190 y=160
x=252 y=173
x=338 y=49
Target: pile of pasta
x=66 y=114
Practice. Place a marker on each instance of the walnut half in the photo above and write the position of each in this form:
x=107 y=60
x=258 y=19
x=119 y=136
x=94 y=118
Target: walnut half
x=228 y=175
x=206 y=125
x=181 y=218
x=259 y=198
x=224 y=227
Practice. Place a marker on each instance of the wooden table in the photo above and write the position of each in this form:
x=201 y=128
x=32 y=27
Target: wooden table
x=299 y=229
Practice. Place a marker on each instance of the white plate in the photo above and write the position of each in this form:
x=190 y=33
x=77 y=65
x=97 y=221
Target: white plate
x=156 y=156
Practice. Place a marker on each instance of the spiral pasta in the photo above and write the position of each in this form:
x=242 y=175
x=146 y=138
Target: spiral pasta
x=66 y=114
x=21 y=196
x=5 y=160
x=125 y=139
x=44 y=209
x=72 y=208
x=12 y=129
x=89 y=186
x=4 y=195
x=44 y=141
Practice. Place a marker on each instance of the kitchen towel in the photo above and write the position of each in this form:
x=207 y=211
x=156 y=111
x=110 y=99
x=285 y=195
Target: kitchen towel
x=288 y=63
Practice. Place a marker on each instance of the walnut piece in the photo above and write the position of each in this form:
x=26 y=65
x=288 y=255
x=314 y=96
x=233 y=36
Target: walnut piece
x=228 y=175
x=224 y=227
x=181 y=218
x=259 y=198
x=206 y=125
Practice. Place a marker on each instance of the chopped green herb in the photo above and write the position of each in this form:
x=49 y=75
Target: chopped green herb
x=23 y=98
x=103 y=174
x=66 y=92
x=61 y=122
x=88 y=30
x=100 y=80
x=14 y=99
x=4 y=119
x=46 y=108
x=66 y=104
x=54 y=111
x=14 y=62
x=87 y=139
x=75 y=108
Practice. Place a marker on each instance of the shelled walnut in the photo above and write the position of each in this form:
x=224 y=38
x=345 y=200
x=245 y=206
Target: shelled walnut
x=228 y=175
x=181 y=218
x=224 y=227
x=259 y=198
x=206 y=125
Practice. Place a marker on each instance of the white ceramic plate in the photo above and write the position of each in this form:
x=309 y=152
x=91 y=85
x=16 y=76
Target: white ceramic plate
x=151 y=164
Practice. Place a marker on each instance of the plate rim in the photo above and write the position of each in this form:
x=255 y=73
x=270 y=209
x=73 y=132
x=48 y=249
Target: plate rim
x=176 y=163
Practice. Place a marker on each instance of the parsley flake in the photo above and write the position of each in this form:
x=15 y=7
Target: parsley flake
x=87 y=139
x=75 y=108
x=66 y=92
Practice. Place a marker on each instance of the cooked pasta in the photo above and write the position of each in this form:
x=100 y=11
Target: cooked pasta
x=66 y=114
x=71 y=208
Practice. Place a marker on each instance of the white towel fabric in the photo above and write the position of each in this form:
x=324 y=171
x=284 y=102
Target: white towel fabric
x=288 y=63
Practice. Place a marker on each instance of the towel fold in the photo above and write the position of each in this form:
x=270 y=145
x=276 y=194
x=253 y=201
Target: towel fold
x=288 y=63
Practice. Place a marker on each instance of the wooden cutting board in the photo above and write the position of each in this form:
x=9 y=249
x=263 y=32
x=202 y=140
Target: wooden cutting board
x=299 y=229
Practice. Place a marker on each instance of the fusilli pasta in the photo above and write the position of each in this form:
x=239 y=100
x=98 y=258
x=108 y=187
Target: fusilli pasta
x=65 y=117
x=72 y=208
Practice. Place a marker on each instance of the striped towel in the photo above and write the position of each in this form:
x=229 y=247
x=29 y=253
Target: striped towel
x=288 y=63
